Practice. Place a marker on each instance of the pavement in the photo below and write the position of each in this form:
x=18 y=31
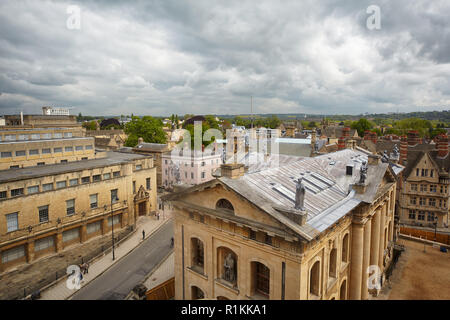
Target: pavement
x=161 y=274
x=150 y=224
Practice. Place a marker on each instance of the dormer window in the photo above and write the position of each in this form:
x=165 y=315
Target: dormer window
x=349 y=170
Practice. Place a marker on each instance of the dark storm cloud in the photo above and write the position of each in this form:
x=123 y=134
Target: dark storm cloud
x=173 y=56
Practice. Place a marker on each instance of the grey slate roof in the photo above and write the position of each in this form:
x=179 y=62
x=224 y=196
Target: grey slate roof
x=328 y=192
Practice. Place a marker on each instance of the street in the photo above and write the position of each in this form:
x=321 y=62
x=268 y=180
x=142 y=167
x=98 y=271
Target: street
x=117 y=282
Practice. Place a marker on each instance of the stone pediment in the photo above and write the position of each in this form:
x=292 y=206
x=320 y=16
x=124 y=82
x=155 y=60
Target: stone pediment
x=141 y=194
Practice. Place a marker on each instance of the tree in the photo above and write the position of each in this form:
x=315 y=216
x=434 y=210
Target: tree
x=90 y=125
x=312 y=124
x=361 y=126
x=147 y=128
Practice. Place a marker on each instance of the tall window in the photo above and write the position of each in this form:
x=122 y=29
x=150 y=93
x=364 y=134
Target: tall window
x=114 y=195
x=93 y=199
x=148 y=183
x=197 y=251
x=261 y=279
x=333 y=261
x=314 y=279
x=345 y=248
x=414 y=187
x=12 y=222
x=343 y=290
x=70 y=207
x=43 y=214
x=197 y=293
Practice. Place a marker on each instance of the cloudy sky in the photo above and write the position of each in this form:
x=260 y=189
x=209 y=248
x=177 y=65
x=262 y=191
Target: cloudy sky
x=174 y=56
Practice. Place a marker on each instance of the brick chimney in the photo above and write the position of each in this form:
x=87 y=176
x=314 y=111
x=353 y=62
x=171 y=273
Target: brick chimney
x=341 y=143
x=442 y=145
x=346 y=132
x=369 y=135
x=413 y=138
x=403 y=150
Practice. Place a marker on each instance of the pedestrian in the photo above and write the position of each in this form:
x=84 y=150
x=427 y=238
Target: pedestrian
x=86 y=267
x=171 y=242
x=157 y=215
x=143 y=234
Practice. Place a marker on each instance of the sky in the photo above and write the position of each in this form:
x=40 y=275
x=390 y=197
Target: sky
x=210 y=57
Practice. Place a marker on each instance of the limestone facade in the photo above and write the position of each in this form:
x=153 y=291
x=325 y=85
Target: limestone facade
x=269 y=260
x=46 y=210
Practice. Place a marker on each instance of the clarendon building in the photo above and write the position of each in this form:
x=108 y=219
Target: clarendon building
x=308 y=229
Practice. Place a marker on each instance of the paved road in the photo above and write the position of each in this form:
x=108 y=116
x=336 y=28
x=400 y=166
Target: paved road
x=117 y=282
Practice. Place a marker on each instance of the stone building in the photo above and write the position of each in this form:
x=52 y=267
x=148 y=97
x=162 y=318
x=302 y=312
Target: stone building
x=308 y=229
x=156 y=150
x=45 y=209
x=425 y=187
x=189 y=170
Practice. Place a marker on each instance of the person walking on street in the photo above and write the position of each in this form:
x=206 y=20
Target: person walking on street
x=143 y=234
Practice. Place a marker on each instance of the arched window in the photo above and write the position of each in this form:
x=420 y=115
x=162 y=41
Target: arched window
x=227 y=265
x=345 y=248
x=333 y=261
x=197 y=254
x=343 y=291
x=314 y=279
x=197 y=293
x=260 y=279
x=390 y=230
x=225 y=204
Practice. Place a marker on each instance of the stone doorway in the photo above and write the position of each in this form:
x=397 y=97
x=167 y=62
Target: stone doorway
x=142 y=208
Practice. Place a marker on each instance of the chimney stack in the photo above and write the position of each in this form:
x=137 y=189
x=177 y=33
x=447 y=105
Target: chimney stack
x=442 y=145
x=341 y=143
x=403 y=149
x=232 y=170
x=374 y=159
x=346 y=132
x=370 y=135
x=413 y=138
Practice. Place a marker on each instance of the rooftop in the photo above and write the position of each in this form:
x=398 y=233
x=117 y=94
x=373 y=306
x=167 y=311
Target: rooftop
x=112 y=158
x=328 y=196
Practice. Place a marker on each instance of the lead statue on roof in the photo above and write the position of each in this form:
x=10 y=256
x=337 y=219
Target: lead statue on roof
x=299 y=195
x=363 y=172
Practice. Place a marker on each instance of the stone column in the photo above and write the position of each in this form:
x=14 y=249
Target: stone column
x=105 y=225
x=356 y=262
x=83 y=233
x=381 y=235
x=375 y=238
x=30 y=250
x=59 y=242
x=366 y=259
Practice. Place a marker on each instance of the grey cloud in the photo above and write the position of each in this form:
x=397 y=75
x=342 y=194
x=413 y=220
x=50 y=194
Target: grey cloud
x=172 y=56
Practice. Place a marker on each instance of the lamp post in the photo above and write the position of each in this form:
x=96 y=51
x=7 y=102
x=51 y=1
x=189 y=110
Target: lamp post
x=112 y=224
